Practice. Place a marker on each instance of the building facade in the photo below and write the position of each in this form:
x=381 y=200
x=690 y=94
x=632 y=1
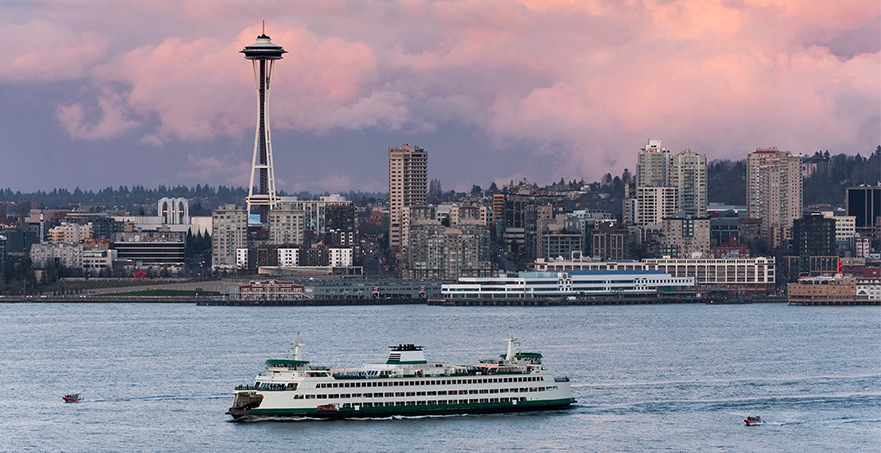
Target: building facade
x=286 y=225
x=688 y=174
x=230 y=234
x=408 y=186
x=447 y=253
x=66 y=255
x=686 y=237
x=774 y=191
x=864 y=203
x=69 y=233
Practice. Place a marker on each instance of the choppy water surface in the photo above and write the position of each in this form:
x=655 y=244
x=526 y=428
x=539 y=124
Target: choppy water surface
x=647 y=378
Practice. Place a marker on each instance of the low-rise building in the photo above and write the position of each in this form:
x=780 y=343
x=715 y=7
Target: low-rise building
x=98 y=260
x=267 y=290
x=747 y=276
x=823 y=290
x=67 y=255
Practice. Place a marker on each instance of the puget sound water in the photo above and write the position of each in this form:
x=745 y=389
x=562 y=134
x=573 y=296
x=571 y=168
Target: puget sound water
x=681 y=378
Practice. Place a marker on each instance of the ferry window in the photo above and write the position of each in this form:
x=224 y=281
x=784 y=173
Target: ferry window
x=335 y=385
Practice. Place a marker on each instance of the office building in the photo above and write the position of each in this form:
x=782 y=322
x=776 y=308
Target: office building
x=864 y=203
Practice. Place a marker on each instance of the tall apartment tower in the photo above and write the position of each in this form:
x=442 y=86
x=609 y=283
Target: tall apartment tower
x=653 y=166
x=408 y=186
x=774 y=191
x=262 y=55
x=229 y=237
x=688 y=174
x=655 y=197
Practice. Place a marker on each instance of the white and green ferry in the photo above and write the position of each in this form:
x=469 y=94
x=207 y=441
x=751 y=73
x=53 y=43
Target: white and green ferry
x=406 y=384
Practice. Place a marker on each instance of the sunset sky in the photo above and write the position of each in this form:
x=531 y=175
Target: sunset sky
x=105 y=93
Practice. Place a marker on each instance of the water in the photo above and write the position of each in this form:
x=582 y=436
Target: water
x=647 y=378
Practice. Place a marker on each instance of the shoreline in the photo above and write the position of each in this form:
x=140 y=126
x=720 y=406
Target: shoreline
x=539 y=302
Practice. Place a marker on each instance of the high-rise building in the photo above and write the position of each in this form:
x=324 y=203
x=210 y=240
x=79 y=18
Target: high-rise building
x=654 y=204
x=686 y=237
x=813 y=237
x=262 y=55
x=441 y=252
x=653 y=166
x=408 y=186
x=331 y=219
x=285 y=225
x=774 y=191
x=688 y=174
x=864 y=203
x=655 y=197
x=229 y=235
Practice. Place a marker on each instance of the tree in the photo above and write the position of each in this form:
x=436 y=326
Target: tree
x=494 y=189
x=475 y=189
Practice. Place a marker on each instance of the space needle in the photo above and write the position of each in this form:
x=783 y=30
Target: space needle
x=262 y=54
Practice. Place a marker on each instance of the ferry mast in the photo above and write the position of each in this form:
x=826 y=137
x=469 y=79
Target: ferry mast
x=262 y=55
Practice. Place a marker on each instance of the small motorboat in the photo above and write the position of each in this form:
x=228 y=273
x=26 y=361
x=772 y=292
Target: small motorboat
x=750 y=421
x=72 y=398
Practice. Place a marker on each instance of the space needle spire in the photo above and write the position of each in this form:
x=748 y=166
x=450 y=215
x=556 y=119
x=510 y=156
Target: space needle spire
x=262 y=54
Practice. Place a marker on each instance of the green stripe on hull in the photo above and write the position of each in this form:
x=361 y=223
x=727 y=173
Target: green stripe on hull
x=425 y=409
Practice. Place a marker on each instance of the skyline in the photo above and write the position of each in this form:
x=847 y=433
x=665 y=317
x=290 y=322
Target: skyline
x=108 y=94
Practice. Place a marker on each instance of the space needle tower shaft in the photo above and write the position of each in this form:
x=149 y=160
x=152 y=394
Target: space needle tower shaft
x=261 y=193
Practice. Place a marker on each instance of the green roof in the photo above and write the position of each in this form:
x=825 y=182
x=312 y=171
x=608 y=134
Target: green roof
x=525 y=355
x=286 y=362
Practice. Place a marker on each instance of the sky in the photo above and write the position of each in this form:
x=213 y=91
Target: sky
x=98 y=93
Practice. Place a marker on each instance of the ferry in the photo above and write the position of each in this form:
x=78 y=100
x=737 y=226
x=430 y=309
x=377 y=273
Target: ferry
x=405 y=385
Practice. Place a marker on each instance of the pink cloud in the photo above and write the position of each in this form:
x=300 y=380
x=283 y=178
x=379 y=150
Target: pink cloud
x=203 y=88
x=222 y=170
x=110 y=119
x=584 y=82
x=42 y=50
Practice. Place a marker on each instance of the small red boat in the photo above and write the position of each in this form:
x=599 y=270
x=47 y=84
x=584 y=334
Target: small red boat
x=751 y=421
x=72 y=398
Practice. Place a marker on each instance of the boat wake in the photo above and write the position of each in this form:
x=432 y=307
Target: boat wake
x=830 y=421
x=153 y=398
x=746 y=405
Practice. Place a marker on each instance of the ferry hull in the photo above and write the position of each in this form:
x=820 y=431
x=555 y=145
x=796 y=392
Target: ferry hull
x=381 y=412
